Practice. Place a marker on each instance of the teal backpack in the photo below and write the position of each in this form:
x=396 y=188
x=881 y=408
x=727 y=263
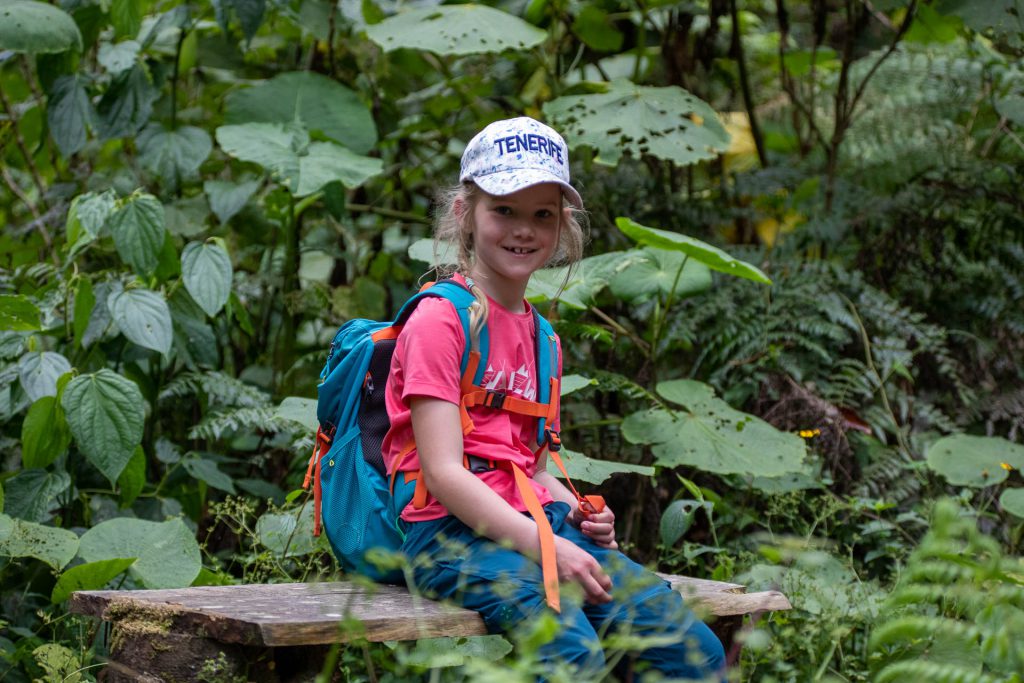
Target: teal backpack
x=358 y=503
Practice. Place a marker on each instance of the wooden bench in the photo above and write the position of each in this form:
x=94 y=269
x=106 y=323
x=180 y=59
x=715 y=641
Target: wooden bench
x=283 y=632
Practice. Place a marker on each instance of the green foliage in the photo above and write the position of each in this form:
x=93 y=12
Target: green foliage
x=195 y=196
x=957 y=610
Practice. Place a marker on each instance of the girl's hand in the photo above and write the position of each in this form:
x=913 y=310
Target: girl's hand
x=577 y=565
x=599 y=526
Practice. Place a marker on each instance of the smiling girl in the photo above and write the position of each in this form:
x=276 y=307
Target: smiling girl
x=474 y=540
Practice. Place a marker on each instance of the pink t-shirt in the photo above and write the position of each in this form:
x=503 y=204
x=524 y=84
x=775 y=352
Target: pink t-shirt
x=427 y=362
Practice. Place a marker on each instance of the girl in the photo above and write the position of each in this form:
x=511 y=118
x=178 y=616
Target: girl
x=513 y=213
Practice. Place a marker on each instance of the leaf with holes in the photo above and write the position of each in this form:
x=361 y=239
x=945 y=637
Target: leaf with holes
x=668 y=123
x=206 y=271
x=143 y=317
x=455 y=30
x=106 y=414
x=593 y=471
x=56 y=547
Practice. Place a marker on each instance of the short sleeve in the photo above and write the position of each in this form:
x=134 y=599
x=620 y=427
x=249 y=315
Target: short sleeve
x=430 y=349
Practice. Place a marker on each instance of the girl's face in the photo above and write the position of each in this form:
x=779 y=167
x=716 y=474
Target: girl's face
x=515 y=235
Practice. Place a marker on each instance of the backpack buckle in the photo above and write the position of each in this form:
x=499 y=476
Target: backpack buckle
x=554 y=440
x=495 y=399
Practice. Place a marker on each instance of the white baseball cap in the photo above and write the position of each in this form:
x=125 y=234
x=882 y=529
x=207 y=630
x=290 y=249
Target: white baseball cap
x=513 y=154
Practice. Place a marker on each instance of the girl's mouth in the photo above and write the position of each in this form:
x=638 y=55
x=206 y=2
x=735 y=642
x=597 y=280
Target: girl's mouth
x=520 y=251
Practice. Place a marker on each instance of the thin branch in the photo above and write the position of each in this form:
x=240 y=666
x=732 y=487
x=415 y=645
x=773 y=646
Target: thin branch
x=20 y=141
x=12 y=183
x=782 y=16
x=904 y=27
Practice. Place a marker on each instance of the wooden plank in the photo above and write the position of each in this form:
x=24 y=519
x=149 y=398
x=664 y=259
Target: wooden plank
x=275 y=615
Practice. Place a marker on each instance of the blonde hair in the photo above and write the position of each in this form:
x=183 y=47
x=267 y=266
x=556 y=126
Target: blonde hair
x=453 y=227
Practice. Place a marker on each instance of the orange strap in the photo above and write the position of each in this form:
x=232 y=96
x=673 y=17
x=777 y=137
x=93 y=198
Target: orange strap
x=588 y=504
x=548 y=567
x=320 y=448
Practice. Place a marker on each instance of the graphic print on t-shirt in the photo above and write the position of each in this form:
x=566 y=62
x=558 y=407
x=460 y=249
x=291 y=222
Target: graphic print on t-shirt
x=519 y=382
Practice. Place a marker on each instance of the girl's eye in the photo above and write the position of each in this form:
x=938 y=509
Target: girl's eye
x=503 y=210
x=544 y=213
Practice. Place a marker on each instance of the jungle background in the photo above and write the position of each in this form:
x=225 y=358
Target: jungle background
x=793 y=354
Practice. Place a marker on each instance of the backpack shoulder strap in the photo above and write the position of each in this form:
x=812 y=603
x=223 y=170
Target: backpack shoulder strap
x=548 y=381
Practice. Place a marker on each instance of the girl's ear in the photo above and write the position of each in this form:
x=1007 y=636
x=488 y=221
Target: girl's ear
x=460 y=207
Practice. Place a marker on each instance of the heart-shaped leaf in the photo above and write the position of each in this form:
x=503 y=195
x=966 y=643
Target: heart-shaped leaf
x=712 y=257
x=206 y=271
x=142 y=316
x=455 y=30
x=668 y=123
x=106 y=414
x=173 y=155
x=138 y=230
x=69 y=113
x=39 y=372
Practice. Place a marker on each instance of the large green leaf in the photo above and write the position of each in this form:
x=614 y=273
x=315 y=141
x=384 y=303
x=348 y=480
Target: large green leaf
x=173 y=155
x=126 y=105
x=37 y=28
x=88 y=577
x=56 y=547
x=18 y=314
x=1012 y=500
x=142 y=316
x=976 y=461
x=206 y=271
x=138 y=230
x=712 y=257
x=106 y=413
x=316 y=102
x=167 y=552
x=126 y=16
x=655 y=273
x=44 y=433
x=206 y=470
x=132 y=479
x=587 y=279
x=298 y=409
x=712 y=435
x=582 y=468
x=39 y=371
x=32 y=494
x=227 y=199
x=1005 y=18
x=286 y=152
x=667 y=123
x=455 y=30
x=69 y=113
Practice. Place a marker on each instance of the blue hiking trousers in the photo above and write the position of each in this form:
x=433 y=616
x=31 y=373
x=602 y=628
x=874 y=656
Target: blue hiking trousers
x=452 y=562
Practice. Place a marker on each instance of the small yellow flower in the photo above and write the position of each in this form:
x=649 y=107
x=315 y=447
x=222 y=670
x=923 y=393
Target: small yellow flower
x=809 y=433
x=1006 y=466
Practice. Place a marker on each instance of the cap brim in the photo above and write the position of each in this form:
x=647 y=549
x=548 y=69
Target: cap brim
x=502 y=183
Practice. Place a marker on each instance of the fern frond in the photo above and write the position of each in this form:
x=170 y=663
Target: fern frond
x=933 y=673
x=219 y=388
x=260 y=420
x=904 y=630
